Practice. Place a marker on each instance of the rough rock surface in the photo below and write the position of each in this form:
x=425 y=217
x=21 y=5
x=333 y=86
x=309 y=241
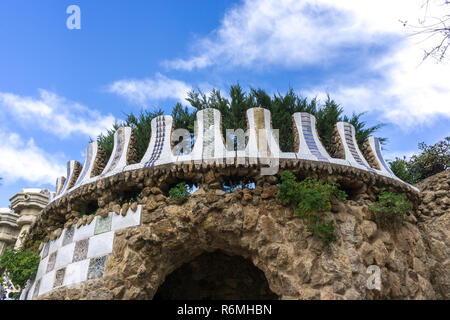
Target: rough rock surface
x=434 y=222
x=256 y=226
x=369 y=155
x=336 y=147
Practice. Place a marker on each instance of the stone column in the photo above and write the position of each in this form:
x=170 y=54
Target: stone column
x=28 y=204
x=9 y=229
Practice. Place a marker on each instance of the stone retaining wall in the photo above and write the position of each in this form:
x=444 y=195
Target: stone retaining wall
x=254 y=225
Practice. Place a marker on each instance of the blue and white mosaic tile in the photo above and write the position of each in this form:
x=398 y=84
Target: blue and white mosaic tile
x=97 y=267
x=59 y=277
x=36 y=289
x=159 y=142
x=103 y=224
x=68 y=236
x=51 y=261
x=81 y=250
x=45 y=250
x=309 y=137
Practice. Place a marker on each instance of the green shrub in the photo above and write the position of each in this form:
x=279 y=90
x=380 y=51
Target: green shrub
x=390 y=208
x=289 y=192
x=312 y=197
x=400 y=167
x=432 y=160
x=179 y=192
x=233 y=107
x=20 y=265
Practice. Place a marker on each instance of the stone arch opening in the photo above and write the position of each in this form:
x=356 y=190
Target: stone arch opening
x=216 y=276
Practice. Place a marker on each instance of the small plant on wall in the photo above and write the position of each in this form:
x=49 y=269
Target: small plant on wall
x=390 y=208
x=312 y=197
x=180 y=192
x=20 y=265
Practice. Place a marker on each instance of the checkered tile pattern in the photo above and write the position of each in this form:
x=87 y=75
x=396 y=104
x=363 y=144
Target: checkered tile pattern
x=159 y=142
x=81 y=255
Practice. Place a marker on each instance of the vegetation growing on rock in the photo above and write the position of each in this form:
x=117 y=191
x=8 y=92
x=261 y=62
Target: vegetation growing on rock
x=180 y=192
x=390 y=208
x=312 y=197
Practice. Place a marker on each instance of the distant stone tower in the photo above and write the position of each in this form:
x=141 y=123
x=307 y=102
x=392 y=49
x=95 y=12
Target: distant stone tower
x=28 y=204
x=25 y=207
x=9 y=230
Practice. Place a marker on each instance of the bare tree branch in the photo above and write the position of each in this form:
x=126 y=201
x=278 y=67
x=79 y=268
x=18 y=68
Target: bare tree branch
x=432 y=27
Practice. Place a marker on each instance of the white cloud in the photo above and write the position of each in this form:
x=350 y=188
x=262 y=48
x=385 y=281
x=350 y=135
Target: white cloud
x=145 y=90
x=292 y=33
x=24 y=160
x=55 y=114
x=409 y=93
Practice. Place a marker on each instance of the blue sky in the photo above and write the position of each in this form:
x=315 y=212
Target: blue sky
x=58 y=87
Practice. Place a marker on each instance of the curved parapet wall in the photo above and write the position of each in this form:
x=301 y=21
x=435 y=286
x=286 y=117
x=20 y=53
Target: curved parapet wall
x=371 y=150
x=209 y=147
x=309 y=145
x=159 y=149
x=123 y=153
x=79 y=253
x=119 y=156
x=373 y=144
x=59 y=185
x=73 y=171
x=209 y=143
x=52 y=196
x=261 y=140
x=353 y=155
x=94 y=165
x=91 y=154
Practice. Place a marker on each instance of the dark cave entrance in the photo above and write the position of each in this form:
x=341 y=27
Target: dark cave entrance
x=216 y=276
